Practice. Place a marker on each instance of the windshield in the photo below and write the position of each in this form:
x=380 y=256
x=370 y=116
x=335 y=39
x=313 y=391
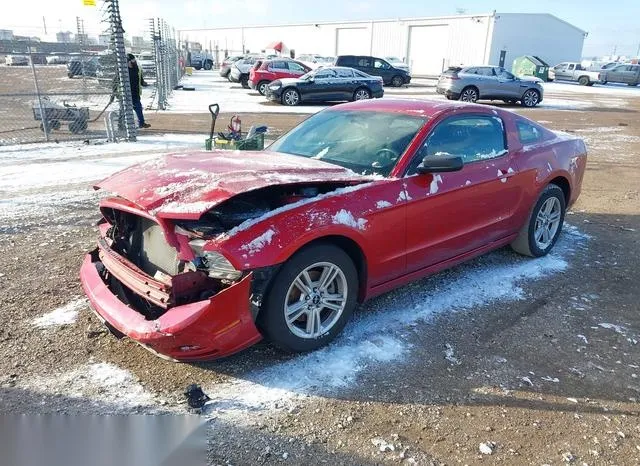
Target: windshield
x=366 y=142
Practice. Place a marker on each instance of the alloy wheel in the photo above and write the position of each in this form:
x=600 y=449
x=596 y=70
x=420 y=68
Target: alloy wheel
x=315 y=300
x=362 y=94
x=469 y=95
x=291 y=97
x=530 y=98
x=547 y=222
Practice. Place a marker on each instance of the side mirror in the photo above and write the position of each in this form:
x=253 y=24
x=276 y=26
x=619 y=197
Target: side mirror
x=439 y=164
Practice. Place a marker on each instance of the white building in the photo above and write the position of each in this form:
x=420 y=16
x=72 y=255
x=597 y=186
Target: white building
x=428 y=45
x=6 y=34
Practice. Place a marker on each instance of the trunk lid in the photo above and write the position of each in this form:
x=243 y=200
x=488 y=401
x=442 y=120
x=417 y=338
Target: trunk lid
x=187 y=185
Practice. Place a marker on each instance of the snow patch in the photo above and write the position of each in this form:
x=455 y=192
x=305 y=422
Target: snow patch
x=616 y=328
x=344 y=217
x=449 y=355
x=101 y=381
x=260 y=242
x=383 y=204
x=64 y=315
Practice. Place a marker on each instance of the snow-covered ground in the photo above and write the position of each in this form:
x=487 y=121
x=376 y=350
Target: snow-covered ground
x=38 y=180
x=211 y=88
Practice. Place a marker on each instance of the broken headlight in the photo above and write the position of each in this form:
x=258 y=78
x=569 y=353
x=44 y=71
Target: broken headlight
x=219 y=266
x=214 y=263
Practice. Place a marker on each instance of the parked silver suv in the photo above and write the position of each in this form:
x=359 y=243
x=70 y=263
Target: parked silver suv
x=473 y=83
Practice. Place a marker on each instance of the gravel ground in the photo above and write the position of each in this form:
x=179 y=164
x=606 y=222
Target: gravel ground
x=507 y=360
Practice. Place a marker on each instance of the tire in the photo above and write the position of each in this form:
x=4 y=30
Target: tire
x=295 y=335
x=449 y=97
x=526 y=242
x=361 y=93
x=583 y=80
x=197 y=68
x=208 y=65
x=604 y=82
x=262 y=87
x=290 y=97
x=397 y=81
x=469 y=94
x=591 y=83
x=244 y=82
x=530 y=98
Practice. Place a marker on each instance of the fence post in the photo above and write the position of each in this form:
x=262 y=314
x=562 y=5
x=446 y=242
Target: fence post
x=43 y=114
x=124 y=97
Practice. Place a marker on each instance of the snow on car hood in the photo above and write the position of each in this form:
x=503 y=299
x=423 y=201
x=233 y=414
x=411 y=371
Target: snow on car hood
x=187 y=185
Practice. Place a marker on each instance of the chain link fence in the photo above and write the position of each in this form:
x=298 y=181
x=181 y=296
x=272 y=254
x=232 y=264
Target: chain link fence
x=70 y=89
x=169 y=62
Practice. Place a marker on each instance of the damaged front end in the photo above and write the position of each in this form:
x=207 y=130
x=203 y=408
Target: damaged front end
x=160 y=282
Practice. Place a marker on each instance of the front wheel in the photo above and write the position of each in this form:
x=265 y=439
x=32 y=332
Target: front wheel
x=311 y=300
x=530 y=98
x=208 y=65
x=540 y=233
x=290 y=97
x=361 y=94
x=397 y=81
x=469 y=94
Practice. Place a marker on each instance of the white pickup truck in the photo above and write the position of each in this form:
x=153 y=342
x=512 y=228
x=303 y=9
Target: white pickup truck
x=571 y=71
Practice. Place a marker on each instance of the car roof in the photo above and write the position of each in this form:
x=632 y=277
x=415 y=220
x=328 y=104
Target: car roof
x=414 y=107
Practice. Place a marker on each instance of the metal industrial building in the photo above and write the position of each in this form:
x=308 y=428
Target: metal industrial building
x=428 y=45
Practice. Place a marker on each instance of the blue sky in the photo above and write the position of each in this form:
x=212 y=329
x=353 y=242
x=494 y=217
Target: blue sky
x=610 y=24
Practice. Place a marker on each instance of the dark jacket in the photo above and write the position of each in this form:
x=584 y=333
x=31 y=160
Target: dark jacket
x=136 y=81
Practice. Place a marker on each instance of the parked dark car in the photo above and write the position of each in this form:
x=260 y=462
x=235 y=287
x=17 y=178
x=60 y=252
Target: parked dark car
x=87 y=66
x=376 y=67
x=331 y=84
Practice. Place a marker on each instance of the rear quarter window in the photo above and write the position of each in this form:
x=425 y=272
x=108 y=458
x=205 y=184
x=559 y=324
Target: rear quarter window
x=529 y=133
x=346 y=61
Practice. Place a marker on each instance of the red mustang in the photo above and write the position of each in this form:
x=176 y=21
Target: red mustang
x=201 y=255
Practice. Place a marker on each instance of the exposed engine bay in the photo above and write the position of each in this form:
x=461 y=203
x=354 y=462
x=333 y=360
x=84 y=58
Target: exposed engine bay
x=250 y=205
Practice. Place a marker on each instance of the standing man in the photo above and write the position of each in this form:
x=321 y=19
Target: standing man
x=137 y=82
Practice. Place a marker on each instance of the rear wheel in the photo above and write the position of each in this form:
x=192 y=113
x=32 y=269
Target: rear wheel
x=469 y=94
x=262 y=87
x=290 y=97
x=208 y=65
x=530 y=98
x=540 y=233
x=397 y=81
x=583 y=80
x=311 y=300
x=361 y=94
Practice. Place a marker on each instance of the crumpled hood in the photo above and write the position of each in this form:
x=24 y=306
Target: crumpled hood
x=187 y=185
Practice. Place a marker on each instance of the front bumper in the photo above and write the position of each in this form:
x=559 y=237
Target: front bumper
x=203 y=330
x=274 y=96
x=378 y=94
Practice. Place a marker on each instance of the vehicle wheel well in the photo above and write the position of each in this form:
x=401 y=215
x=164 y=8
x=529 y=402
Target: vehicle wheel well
x=362 y=87
x=354 y=251
x=563 y=184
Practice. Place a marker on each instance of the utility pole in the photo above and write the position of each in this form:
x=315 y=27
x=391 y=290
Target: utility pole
x=44 y=23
